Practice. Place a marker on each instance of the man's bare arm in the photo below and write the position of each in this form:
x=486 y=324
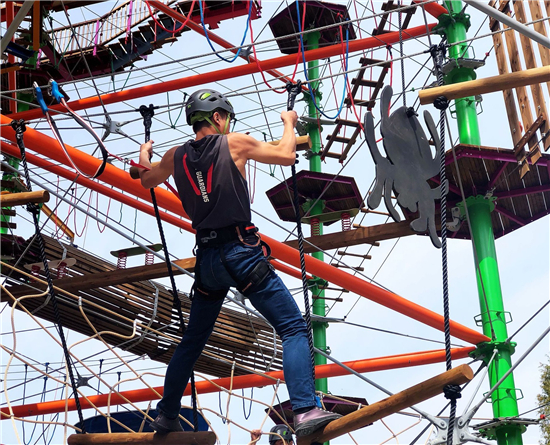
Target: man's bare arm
x=246 y=147
x=158 y=173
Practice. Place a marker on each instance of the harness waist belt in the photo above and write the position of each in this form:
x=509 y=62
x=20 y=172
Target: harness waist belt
x=224 y=235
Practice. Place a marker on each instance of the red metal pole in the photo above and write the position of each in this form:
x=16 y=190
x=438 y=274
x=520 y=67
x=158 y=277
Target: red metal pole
x=239 y=382
x=114 y=176
x=433 y=8
x=12 y=82
x=229 y=73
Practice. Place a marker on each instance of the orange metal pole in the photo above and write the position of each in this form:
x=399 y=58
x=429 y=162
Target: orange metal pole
x=12 y=150
x=12 y=80
x=239 y=382
x=114 y=176
x=229 y=73
x=433 y=8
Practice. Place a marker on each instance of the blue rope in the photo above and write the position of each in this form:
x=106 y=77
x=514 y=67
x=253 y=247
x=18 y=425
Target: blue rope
x=305 y=68
x=208 y=38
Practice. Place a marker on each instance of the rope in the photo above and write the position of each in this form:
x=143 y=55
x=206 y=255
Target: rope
x=402 y=59
x=242 y=41
x=20 y=127
x=293 y=90
x=452 y=392
x=148 y=113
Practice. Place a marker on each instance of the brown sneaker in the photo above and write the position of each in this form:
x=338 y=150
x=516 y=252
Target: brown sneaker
x=310 y=421
x=164 y=425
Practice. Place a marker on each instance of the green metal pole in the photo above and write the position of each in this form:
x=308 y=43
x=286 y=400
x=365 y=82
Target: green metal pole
x=493 y=317
x=318 y=306
x=456 y=24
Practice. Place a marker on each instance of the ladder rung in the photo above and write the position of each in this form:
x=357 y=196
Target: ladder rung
x=358 y=255
x=338 y=139
x=8 y=212
x=364 y=82
x=343 y=266
x=8 y=225
x=376 y=212
x=7 y=183
x=346 y=122
x=338 y=300
x=365 y=61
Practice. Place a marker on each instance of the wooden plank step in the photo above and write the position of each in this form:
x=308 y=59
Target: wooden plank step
x=365 y=82
x=332 y=155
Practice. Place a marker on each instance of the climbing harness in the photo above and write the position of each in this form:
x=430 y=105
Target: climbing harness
x=19 y=128
x=247 y=234
x=293 y=90
x=147 y=113
x=60 y=98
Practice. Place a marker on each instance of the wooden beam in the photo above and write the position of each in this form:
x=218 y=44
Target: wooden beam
x=486 y=85
x=17 y=199
x=509 y=100
x=302 y=143
x=540 y=27
x=183 y=438
x=397 y=402
x=110 y=278
x=530 y=63
x=364 y=235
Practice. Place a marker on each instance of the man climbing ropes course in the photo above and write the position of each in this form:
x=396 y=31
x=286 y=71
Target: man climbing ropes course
x=209 y=173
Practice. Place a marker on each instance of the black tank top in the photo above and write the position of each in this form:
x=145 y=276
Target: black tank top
x=212 y=190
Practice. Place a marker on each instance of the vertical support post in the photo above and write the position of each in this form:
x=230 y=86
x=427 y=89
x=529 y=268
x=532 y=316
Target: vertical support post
x=493 y=317
x=466 y=113
x=318 y=306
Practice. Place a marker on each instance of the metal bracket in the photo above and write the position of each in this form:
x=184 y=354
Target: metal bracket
x=112 y=126
x=461 y=434
x=461 y=62
x=455 y=224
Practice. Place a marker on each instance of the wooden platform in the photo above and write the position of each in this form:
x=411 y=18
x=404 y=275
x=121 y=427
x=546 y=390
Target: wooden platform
x=494 y=171
x=234 y=336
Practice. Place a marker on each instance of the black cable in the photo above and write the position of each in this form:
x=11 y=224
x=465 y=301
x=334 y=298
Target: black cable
x=20 y=127
x=452 y=392
x=293 y=90
x=402 y=56
x=148 y=113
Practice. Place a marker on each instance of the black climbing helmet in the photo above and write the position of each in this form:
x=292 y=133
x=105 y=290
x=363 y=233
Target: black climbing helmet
x=203 y=103
x=281 y=430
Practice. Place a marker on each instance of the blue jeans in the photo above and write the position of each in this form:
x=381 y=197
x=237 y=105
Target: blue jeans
x=271 y=298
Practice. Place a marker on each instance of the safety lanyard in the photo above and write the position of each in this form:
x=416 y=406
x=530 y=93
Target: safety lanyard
x=60 y=98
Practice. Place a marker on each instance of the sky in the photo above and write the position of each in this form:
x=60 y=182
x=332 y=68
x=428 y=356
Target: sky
x=410 y=266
